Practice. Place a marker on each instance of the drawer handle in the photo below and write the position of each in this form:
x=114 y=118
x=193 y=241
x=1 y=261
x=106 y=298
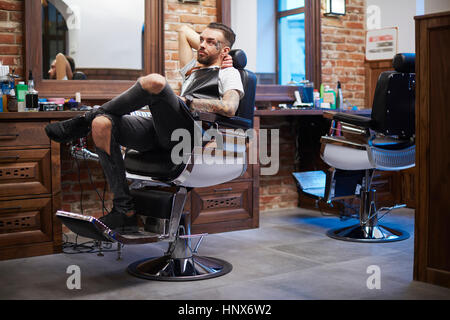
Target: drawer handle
x=10 y=208
x=9 y=136
x=15 y=158
x=223 y=190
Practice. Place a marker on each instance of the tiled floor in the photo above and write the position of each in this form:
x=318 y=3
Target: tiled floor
x=289 y=257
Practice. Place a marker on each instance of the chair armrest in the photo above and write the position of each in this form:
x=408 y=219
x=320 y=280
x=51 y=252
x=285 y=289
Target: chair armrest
x=229 y=122
x=353 y=119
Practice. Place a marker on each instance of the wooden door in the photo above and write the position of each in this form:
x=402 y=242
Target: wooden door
x=373 y=71
x=432 y=225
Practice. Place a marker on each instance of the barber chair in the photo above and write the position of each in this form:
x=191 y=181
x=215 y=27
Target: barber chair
x=160 y=188
x=357 y=146
x=79 y=75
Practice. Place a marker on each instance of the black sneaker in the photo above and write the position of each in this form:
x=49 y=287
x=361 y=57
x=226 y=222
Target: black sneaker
x=68 y=130
x=120 y=222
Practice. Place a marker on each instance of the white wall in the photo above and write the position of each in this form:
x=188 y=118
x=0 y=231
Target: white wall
x=266 y=37
x=401 y=13
x=253 y=21
x=107 y=33
x=433 y=6
x=244 y=24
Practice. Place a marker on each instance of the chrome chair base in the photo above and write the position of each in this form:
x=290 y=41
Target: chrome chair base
x=167 y=268
x=369 y=234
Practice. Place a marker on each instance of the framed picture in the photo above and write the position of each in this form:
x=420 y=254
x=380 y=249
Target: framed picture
x=381 y=44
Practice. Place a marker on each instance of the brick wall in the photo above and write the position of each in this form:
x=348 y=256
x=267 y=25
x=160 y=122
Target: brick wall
x=343 y=51
x=11 y=34
x=198 y=15
x=279 y=191
x=83 y=185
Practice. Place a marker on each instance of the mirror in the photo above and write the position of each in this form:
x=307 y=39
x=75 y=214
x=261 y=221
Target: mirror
x=111 y=71
x=87 y=32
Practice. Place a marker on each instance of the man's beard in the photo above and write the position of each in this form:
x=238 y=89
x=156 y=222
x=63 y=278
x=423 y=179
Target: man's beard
x=206 y=60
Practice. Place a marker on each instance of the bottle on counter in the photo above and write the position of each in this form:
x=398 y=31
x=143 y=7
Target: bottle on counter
x=4 y=92
x=31 y=96
x=329 y=98
x=339 y=97
x=21 y=90
x=12 y=100
x=316 y=99
x=4 y=71
x=1 y=99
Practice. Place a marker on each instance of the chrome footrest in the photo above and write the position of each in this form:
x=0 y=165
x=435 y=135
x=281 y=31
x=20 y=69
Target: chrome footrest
x=92 y=228
x=86 y=226
x=139 y=237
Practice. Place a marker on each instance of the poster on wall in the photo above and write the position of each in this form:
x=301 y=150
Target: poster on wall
x=381 y=44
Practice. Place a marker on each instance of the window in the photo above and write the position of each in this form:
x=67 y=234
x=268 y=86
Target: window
x=291 y=41
x=280 y=37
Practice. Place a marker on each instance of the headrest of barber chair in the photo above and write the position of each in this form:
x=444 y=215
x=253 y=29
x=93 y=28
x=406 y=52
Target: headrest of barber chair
x=405 y=62
x=239 y=58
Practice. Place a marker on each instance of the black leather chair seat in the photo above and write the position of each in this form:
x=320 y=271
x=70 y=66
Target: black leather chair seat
x=157 y=165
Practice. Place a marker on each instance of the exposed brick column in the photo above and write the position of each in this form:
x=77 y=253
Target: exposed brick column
x=343 y=52
x=11 y=34
x=198 y=16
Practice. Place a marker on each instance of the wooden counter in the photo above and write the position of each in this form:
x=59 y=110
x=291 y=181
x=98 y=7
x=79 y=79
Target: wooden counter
x=28 y=203
x=30 y=185
x=303 y=112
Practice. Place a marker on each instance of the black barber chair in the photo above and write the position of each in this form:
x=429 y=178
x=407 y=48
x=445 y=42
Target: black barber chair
x=160 y=187
x=79 y=75
x=357 y=146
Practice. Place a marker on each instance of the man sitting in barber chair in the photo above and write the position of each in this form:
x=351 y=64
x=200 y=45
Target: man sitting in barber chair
x=210 y=84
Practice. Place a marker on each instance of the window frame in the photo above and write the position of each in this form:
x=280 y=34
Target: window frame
x=313 y=61
x=278 y=16
x=312 y=36
x=45 y=40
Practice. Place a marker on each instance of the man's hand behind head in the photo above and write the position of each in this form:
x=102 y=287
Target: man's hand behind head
x=227 y=62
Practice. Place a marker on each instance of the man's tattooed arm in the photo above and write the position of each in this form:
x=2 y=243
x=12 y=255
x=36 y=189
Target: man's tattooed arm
x=226 y=107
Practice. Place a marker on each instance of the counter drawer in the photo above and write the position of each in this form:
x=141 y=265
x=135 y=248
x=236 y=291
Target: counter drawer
x=18 y=134
x=25 y=172
x=25 y=221
x=226 y=202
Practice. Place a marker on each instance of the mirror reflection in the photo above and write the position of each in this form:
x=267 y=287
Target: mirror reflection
x=93 y=40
